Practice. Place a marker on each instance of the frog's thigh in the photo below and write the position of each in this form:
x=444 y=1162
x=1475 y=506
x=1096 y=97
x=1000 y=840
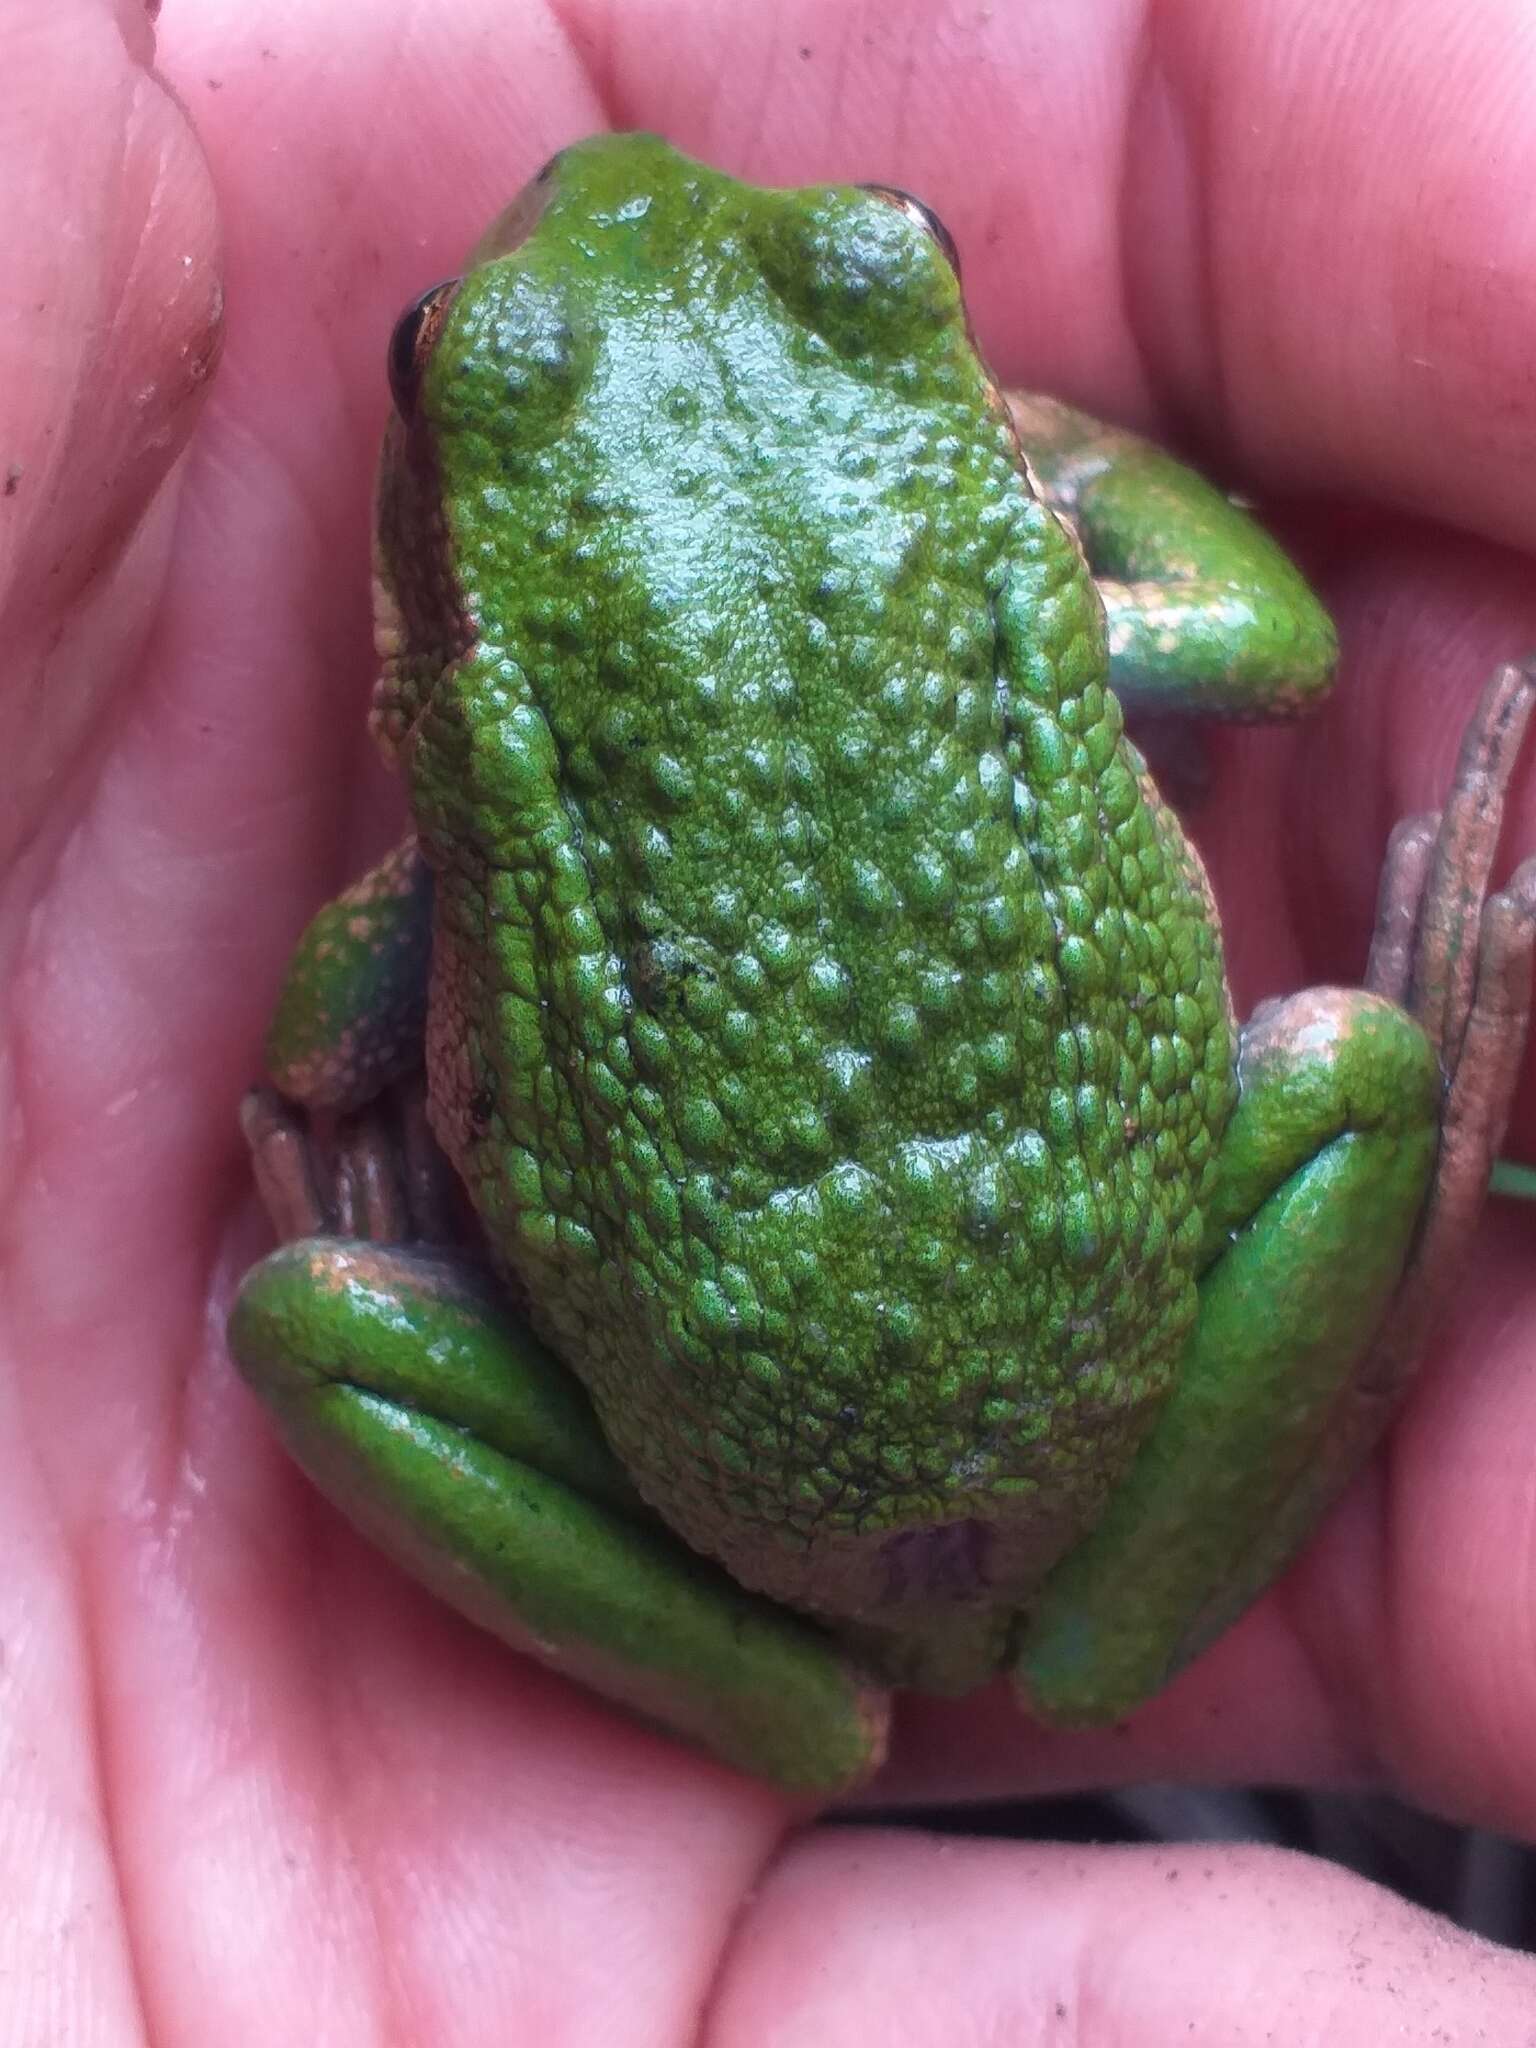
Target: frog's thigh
x=1325 y=1167
x=1206 y=613
x=455 y=1442
x=351 y=1015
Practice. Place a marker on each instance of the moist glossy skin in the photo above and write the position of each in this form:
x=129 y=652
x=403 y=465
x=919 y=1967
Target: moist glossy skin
x=824 y=1016
x=824 y=1023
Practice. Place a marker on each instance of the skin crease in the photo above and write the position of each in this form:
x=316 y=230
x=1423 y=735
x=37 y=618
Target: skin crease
x=253 y=1783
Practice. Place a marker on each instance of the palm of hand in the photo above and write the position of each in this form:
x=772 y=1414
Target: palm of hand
x=243 y=1736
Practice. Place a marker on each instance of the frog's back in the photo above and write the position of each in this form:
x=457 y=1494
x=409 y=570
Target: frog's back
x=832 y=1035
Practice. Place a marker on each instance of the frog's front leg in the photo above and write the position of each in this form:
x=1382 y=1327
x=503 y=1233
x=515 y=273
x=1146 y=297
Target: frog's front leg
x=412 y=1394
x=1352 y=1174
x=1205 y=612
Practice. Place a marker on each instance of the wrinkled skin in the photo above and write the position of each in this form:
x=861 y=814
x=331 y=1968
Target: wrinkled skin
x=261 y=1784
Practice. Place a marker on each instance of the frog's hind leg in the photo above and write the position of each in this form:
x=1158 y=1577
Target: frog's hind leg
x=411 y=1393
x=1351 y=1178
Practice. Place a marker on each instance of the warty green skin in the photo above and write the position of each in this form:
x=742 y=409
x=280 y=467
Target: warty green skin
x=827 y=1019
x=835 y=1049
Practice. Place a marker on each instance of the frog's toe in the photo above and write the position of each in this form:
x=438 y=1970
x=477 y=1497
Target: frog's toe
x=377 y=1174
x=1458 y=959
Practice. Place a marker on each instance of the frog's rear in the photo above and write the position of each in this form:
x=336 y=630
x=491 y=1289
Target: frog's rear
x=846 y=1050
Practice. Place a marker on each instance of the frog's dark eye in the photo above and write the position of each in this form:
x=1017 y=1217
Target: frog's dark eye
x=412 y=342
x=921 y=216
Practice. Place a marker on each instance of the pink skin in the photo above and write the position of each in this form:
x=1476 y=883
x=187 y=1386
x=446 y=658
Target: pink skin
x=254 y=1786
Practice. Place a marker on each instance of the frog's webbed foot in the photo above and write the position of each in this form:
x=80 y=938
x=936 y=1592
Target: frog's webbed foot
x=1459 y=961
x=1352 y=1173
x=375 y=1173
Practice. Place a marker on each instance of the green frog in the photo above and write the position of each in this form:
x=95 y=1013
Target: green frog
x=775 y=1204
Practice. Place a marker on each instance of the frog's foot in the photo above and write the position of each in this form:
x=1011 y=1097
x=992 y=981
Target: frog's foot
x=1459 y=961
x=1351 y=1177
x=374 y=1175
x=404 y=1384
x=377 y=1173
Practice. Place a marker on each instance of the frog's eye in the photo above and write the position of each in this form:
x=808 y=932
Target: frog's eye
x=920 y=216
x=412 y=342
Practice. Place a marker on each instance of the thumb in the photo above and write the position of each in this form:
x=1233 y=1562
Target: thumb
x=1193 y=1944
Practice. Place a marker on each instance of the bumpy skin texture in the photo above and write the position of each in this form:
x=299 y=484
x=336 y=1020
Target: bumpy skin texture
x=822 y=1015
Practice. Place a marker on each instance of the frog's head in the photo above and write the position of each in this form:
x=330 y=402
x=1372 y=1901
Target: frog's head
x=623 y=292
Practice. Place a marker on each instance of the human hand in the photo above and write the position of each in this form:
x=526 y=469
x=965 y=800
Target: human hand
x=259 y=1784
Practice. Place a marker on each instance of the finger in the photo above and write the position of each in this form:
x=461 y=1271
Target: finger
x=111 y=328
x=1339 y=190
x=340 y=1816
x=1449 y=1682
x=358 y=152
x=1054 y=201
x=863 y=1935
x=65 y=1949
x=107 y=330
x=1299 y=228
x=112 y=296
